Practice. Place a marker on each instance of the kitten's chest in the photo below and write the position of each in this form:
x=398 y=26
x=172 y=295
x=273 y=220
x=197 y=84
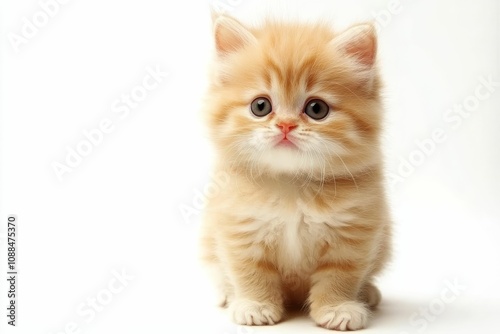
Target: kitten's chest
x=295 y=229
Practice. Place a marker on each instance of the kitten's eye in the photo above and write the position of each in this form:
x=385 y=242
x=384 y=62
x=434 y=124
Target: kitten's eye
x=317 y=109
x=261 y=107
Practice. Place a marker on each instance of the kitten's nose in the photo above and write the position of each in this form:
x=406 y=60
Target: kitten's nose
x=286 y=127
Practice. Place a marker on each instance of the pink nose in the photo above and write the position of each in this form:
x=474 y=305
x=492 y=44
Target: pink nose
x=286 y=127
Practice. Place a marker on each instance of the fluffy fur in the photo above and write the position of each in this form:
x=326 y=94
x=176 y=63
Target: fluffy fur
x=305 y=225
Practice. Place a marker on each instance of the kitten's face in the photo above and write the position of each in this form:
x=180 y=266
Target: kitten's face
x=292 y=99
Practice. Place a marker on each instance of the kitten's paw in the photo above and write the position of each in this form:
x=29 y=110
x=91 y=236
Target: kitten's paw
x=249 y=312
x=370 y=295
x=346 y=316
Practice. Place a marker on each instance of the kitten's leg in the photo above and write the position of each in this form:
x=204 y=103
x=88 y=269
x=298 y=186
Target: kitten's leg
x=370 y=295
x=257 y=287
x=224 y=289
x=215 y=269
x=334 y=293
x=258 y=299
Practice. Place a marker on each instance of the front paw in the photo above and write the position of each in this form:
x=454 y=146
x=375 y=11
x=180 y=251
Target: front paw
x=249 y=312
x=342 y=317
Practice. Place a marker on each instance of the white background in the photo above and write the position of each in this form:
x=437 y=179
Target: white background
x=120 y=209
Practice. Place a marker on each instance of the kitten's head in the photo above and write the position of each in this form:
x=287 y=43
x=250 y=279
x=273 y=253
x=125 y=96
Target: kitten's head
x=295 y=99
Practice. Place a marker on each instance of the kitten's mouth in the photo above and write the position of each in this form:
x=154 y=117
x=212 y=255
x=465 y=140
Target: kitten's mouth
x=285 y=142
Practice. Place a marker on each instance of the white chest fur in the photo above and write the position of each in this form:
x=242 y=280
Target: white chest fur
x=293 y=230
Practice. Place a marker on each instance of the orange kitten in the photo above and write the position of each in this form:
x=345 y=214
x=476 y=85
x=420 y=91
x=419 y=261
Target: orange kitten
x=295 y=115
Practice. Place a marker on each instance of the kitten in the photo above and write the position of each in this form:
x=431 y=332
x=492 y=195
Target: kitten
x=294 y=113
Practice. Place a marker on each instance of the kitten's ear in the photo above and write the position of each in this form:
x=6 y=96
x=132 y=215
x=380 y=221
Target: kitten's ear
x=359 y=42
x=231 y=35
